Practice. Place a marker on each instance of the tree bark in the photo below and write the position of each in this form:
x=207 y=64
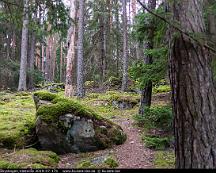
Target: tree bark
x=69 y=91
x=146 y=94
x=192 y=91
x=80 y=83
x=125 y=49
x=24 y=48
x=31 y=59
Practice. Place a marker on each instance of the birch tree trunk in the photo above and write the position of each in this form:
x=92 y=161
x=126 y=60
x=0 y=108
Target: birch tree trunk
x=80 y=83
x=193 y=93
x=24 y=49
x=69 y=91
x=125 y=49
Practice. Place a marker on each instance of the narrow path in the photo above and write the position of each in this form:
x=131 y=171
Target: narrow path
x=131 y=154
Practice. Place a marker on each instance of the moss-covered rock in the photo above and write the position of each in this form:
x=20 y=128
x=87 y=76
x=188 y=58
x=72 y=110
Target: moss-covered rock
x=64 y=125
x=30 y=158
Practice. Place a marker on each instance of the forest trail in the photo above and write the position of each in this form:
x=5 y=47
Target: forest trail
x=131 y=154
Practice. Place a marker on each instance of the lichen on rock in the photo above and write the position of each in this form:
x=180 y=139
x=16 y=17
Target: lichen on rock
x=63 y=125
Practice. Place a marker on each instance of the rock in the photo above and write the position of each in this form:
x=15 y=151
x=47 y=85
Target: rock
x=65 y=126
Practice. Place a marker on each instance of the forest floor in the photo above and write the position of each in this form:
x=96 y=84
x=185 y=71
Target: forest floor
x=132 y=154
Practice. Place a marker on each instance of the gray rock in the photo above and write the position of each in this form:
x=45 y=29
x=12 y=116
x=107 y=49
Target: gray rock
x=74 y=132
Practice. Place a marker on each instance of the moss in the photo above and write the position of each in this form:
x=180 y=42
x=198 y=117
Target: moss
x=8 y=165
x=61 y=106
x=111 y=162
x=34 y=159
x=164 y=159
x=17 y=118
x=161 y=89
x=85 y=164
x=117 y=136
x=44 y=95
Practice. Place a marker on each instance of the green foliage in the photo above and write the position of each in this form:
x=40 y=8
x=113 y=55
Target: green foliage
x=8 y=165
x=161 y=89
x=156 y=117
x=143 y=73
x=111 y=162
x=164 y=159
x=158 y=143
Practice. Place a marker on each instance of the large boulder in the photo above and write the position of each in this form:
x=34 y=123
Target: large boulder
x=63 y=126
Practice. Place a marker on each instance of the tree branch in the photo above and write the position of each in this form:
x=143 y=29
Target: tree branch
x=175 y=27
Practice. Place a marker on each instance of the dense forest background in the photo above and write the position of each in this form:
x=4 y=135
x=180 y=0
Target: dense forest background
x=140 y=47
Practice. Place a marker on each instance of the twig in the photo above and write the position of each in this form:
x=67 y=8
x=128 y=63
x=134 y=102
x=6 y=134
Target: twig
x=175 y=27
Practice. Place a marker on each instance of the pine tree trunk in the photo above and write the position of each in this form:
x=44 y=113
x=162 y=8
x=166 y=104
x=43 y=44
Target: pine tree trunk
x=193 y=91
x=125 y=49
x=80 y=83
x=24 y=49
x=31 y=59
x=146 y=94
x=69 y=90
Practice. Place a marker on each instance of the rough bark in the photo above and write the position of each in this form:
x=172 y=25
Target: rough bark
x=146 y=94
x=80 y=83
x=193 y=92
x=125 y=49
x=24 y=48
x=69 y=91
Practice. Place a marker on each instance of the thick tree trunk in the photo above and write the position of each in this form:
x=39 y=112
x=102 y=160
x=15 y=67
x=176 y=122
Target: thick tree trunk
x=125 y=49
x=193 y=92
x=146 y=94
x=80 y=83
x=69 y=90
x=24 y=49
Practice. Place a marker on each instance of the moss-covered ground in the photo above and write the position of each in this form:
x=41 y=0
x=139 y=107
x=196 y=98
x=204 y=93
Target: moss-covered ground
x=17 y=117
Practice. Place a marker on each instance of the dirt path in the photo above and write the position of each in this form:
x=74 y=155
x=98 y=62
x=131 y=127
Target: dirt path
x=131 y=154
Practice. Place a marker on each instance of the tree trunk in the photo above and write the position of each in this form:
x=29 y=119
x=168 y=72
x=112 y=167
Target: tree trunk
x=146 y=94
x=31 y=59
x=71 y=53
x=192 y=91
x=80 y=83
x=125 y=49
x=24 y=48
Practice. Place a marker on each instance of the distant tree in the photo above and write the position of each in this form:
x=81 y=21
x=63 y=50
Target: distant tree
x=125 y=48
x=80 y=77
x=24 y=48
x=71 y=51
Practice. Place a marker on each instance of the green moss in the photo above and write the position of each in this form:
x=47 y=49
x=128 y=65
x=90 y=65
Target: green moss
x=117 y=136
x=161 y=89
x=8 y=165
x=61 y=106
x=164 y=159
x=44 y=95
x=85 y=164
x=17 y=118
x=33 y=158
x=111 y=162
